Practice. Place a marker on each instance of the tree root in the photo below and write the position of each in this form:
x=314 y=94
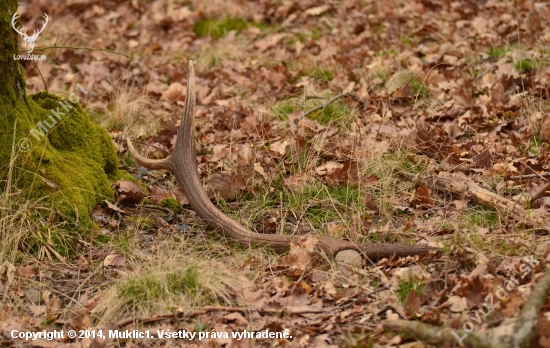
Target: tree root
x=512 y=333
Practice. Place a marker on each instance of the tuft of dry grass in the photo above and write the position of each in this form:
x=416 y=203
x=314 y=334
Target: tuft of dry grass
x=216 y=52
x=172 y=276
x=131 y=111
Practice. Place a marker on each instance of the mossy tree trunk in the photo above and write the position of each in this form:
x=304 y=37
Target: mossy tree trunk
x=50 y=151
x=12 y=81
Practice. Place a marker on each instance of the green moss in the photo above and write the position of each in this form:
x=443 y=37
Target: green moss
x=56 y=164
x=69 y=163
x=124 y=175
x=218 y=28
x=172 y=204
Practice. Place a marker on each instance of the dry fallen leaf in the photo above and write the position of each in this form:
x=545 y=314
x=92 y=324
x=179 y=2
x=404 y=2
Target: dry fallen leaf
x=114 y=260
x=457 y=303
x=158 y=193
x=279 y=147
x=7 y=272
x=460 y=204
x=53 y=304
x=114 y=208
x=328 y=168
x=128 y=191
x=227 y=185
x=315 y=11
x=175 y=91
x=294 y=181
x=268 y=41
x=422 y=197
x=300 y=256
x=26 y=271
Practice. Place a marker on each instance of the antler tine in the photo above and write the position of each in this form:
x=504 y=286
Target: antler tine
x=147 y=162
x=185 y=128
x=183 y=164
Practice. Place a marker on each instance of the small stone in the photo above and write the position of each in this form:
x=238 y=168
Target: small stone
x=349 y=256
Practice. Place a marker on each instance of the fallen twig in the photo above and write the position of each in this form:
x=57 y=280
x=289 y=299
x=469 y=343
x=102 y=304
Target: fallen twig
x=157 y=207
x=81 y=48
x=524 y=329
x=539 y=191
x=469 y=188
x=527 y=177
x=436 y=335
x=526 y=325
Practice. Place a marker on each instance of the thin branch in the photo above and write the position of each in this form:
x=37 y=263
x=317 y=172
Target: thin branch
x=524 y=330
x=469 y=188
x=526 y=325
x=157 y=207
x=43 y=81
x=321 y=107
x=153 y=146
x=436 y=335
x=540 y=191
x=528 y=176
x=81 y=48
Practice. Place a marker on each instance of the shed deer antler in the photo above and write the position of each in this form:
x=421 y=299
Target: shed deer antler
x=182 y=163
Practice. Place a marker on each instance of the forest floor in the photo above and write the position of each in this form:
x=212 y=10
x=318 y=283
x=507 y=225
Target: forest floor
x=435 y=89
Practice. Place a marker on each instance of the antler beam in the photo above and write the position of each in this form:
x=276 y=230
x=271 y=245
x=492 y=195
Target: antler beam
x=182 y=163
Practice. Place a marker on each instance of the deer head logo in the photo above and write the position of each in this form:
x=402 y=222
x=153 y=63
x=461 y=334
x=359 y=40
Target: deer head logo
x=29 y=40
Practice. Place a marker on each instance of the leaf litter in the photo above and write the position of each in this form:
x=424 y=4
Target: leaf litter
x=456 y=89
